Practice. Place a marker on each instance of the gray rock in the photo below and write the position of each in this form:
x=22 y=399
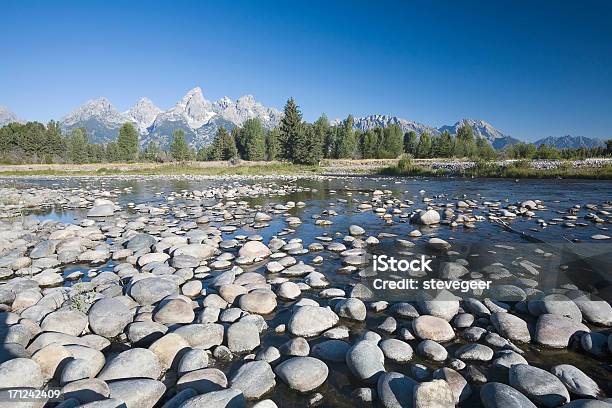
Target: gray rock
x=331 y=350
x=436 y=393
x=432 y=328
x=137 y=393
x=498 y=395
x=595 y=343
x=242 y=337
x=260 y=301
x=508 y=358
x=21 y=372
x=432 y=350
x=302 y=374
x=511 y=327
x=108 y=317
x=297 y=346
x=203 y=381
x=174 y=311
x=475 y=351
x=460 y=388
x=254 y=379
x=556 y=331
x=351 y=308
x=76 y=369
x=557 y=304
x=428 y=217
x=310 y=321
x=576 y=381
x=229 y=398
x=191 y=360
x=67 y=321
x=43 y=249
x=594 y=310
x=395 y=390
x=396 y=350
x=132 y=363
x=104 y=210
x=86 y=390
x=145 y=333
x=539 y=385
x=366 y=361
x=204 y=336
x=149 y=291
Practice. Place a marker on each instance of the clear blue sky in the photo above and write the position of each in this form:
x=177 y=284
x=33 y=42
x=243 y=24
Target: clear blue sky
x=532 y=69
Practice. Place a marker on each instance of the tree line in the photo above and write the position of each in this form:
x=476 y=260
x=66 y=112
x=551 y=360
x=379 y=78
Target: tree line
x=294 y=140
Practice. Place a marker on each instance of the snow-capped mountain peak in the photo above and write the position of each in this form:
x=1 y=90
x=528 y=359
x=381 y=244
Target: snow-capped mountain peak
x=196 y=110
x=100 y=109
x=143 y=114
x=7 y=116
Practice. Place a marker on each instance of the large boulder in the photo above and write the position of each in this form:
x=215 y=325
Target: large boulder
x=260 y=301
x=556 y=331
x=132 y=363
x=254 y=250
x=108 y=317
x=436 y=393
x=309 y=321
x=432 y=328
x=149 y=291
x=395 y=390
x=137 y=392
x=254 y=379
x=511 y=327
x=21 y=372
x=366 y=361
x=302 y=374
x=576 y=381
x=539 y=385
x=498 y=395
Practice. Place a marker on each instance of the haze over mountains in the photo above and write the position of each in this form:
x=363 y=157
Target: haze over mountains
x=200 y=118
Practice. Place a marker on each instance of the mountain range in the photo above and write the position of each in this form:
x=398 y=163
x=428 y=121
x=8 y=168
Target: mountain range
x=200 y=118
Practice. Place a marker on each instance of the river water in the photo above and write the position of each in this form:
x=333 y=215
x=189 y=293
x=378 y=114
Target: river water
x=338 y=194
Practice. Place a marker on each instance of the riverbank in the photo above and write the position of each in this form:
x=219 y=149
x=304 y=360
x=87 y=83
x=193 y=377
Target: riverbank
x=579 y=169
x=598 y=169
x=216 y=168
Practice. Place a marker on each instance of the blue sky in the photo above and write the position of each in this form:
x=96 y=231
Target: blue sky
x=532 y=69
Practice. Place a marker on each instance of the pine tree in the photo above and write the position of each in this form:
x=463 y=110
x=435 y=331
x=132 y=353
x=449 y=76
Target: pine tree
x=152 y=152
x=272 y=144
x=308 y=148
x=179 y=149
x=127 y=143
x=289 y=129
x=465 y=144
x=77 y=146
x=254 y=140
x=346 y=142
x=485 y=150
x=410 y=142
x=391 y=143
x=424 y=146
x=223 y=147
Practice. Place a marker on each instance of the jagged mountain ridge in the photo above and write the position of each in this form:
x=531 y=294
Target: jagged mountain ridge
x=7 y=116
x=567 y=141
x=200 y=119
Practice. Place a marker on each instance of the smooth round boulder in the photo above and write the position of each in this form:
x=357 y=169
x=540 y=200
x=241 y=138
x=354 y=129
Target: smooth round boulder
x=228 y=398
x=432 y=350
x=108 y=317
x=135 y=362
x=242 y=337
x=21 y=372
x=538 y=385
x=254 y=379
x=331 y=350
x=498 y=395
x=436 y=393
x=396 y=350
x=308 y=321
x=67 y=321
x=576 y=381
x=511 y=327
x=174 y=311
x=556 y=331
x=432 y=328
x=302 y=374
x=254 y=250
x=149 y=291
x=260 y=301
x=352 y=309
x=395 y=390
x=366 y=361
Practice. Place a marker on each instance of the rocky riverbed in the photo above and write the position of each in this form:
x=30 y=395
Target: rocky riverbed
x=201 y=292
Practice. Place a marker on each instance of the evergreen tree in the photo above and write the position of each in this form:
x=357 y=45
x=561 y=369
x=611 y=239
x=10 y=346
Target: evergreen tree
x=289 y=129
x=465 y=144
x=127 y=143
x=329 y=143
x=391 y=142
x=272 y=144
x=346 y=142
x=485 y=150
x=152 y=152
x=254 y=140
x=442 y=145
x=112 y=152
x=223 y=147
x=424 y=146
x=179 y=149
x=77 y=146
x=410 y=142
x=308 y=148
